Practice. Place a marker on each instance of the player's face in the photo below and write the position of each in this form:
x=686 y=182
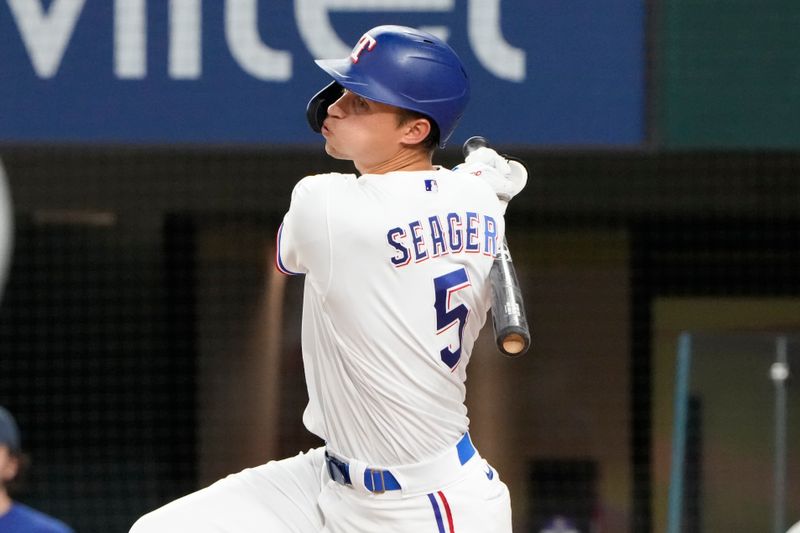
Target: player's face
x=366 y=132
x=8 y=465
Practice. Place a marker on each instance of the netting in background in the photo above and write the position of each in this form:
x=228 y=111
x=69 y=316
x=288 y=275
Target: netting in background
x=736 y=433
x=139 y=297
x=116 y=298
x=101 y=390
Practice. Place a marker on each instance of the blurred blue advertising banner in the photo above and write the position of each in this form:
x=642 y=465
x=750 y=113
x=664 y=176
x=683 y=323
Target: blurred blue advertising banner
x=544 y=72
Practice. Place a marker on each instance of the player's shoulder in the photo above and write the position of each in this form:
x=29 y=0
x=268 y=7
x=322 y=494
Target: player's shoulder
x=470 y=185
x=316 y=180
x=320 y=183
x=465 y=176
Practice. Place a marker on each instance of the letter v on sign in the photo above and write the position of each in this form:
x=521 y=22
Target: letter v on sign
x=46 y=34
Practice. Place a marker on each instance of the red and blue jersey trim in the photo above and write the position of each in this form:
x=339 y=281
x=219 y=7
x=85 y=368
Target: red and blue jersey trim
x=278 y=261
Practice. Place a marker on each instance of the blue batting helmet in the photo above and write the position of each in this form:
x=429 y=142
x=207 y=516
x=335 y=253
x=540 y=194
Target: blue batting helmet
x=403 y=67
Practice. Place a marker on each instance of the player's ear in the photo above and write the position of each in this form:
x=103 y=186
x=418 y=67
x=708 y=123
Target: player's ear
x=416 y=130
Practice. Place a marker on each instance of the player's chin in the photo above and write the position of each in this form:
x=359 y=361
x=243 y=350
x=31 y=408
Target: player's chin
x=333 y=152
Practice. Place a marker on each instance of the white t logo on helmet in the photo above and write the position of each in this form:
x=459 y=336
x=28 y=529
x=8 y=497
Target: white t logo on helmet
x=367 y=42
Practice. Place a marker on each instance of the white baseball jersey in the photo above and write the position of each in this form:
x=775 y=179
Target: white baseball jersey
x=396 y=292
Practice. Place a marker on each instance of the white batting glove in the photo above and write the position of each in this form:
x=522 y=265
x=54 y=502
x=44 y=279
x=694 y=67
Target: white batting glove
x=506 y=176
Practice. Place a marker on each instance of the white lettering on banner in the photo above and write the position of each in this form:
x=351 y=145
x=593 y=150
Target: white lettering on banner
x=492 y=50
x=185 y=38
x=46 y=35
x=130 y=39
x=256 y=58
x=321 y=39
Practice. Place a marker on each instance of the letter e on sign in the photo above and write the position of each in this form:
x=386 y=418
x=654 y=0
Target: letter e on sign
x=367 y=42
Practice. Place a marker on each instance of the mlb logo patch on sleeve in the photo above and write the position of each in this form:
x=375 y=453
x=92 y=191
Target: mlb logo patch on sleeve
x=431 y=186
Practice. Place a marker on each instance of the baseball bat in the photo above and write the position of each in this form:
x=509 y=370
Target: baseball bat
x=510 y=324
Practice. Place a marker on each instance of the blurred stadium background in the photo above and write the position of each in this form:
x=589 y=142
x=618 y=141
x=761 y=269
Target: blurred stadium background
x=147 y=347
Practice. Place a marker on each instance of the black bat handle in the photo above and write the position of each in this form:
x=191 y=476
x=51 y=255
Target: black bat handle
x=473 y=143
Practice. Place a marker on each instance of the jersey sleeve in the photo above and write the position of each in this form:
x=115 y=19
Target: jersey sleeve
x=304 y=238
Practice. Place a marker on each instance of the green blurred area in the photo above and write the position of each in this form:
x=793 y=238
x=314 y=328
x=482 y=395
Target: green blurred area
x=729 y=73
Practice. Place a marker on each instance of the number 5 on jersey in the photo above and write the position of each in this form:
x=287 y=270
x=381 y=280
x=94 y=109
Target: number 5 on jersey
x=445 y=286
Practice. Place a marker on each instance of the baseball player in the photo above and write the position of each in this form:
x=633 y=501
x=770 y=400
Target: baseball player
x=16 y=516
x=396 y=261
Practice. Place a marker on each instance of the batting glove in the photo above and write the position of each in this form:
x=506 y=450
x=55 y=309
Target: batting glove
x=507 y=177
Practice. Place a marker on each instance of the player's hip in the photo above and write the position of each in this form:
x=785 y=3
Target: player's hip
x=456 y=491
x=477 y=502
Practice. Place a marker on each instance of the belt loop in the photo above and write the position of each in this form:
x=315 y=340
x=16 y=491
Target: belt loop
x=338 y=470
x=465 y=449
x=372 y=487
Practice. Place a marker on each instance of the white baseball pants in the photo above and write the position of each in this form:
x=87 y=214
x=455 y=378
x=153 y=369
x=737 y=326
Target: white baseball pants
x=297 y=495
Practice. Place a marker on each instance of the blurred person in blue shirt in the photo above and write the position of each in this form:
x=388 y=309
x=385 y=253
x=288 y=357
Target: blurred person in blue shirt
x=16 y=517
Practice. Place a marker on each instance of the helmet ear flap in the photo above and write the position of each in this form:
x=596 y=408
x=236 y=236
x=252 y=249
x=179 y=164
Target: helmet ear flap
x=317 y=108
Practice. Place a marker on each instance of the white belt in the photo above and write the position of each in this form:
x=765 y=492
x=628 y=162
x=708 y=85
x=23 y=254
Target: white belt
x=417 y=478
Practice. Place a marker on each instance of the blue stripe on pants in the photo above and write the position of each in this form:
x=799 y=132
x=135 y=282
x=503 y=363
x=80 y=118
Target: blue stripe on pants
x=438 y=514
